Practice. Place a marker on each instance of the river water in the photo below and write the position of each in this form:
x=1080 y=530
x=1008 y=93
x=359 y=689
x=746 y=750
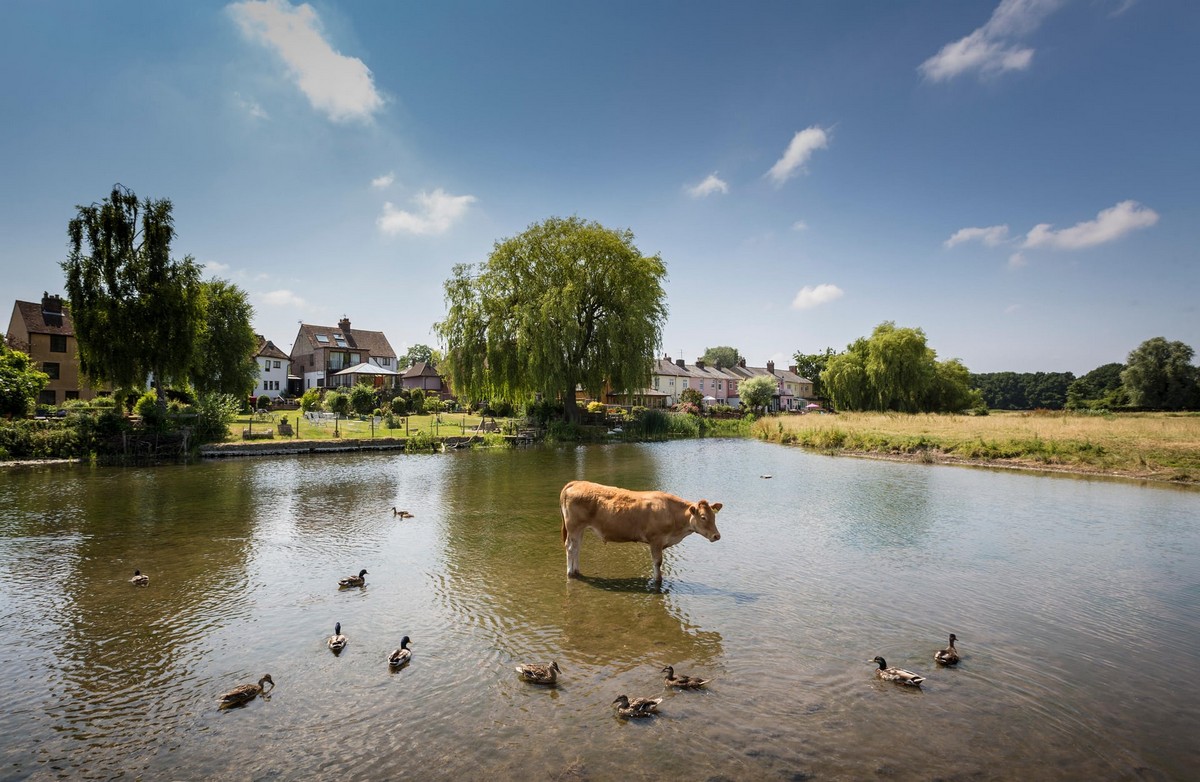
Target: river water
x=1076 y=604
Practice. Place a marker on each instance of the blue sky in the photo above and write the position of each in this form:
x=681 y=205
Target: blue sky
x=1017 y=178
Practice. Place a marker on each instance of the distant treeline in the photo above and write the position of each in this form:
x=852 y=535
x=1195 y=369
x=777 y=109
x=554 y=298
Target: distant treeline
x=1102 y=387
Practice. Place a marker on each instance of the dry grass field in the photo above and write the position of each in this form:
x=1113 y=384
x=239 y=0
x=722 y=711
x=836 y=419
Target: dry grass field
x=1153 y=446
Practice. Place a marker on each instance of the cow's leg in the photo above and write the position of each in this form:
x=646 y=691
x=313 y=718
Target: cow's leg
x=573 y=540
x=656 y=555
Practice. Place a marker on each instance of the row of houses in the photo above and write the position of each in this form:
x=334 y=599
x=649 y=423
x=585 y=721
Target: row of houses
x=342 y=356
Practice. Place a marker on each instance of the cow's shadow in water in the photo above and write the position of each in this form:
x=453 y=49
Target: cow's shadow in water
x=669 y=586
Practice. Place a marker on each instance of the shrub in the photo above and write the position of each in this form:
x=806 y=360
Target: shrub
x=419 y=441
x=595 y=407
x=432 y=405
x=337 y=402
x=310 y=400
x=214 y=413
x=399 y=406
x=263 y=403
x=147 y=408
x=416 y=399
x=362 y=398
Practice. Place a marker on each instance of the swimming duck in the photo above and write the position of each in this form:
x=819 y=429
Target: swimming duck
x=638 y=707
x=686 y=682
x=246 y=692
x=399 y=657
x=401 y=513
x=354 y=581
x=898 y=675
x=337 y=641
x=538 y=673
x=139 y=579
x=949 y=655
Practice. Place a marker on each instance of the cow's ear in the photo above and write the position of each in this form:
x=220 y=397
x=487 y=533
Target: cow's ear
x=716 y=506
x=693 y=510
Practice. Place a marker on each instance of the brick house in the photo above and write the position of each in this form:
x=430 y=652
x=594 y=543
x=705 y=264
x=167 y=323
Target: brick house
x=320 y=352
x=44 y=331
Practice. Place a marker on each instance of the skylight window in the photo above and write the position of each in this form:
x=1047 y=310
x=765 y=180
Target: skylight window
x=322 y=338
x=340 y=340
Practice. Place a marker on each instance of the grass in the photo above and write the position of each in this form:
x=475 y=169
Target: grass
x=444 y=425
x=1157 y=446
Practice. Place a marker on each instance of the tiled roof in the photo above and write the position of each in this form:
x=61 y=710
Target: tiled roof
x=373 y=342
x=421 y=369
x=267 y=349
x=38 y=322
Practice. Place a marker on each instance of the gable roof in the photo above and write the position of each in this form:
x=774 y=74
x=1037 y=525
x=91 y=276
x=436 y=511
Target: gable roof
x=373 y=343
x=267 y=349
x=421 y=369
x=38 y=321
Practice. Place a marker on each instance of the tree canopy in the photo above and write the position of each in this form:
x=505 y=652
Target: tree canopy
x=566 y=303
x=418 y=353
x=811 y=366
x=721 y=357
x=756 y=392
x=135 y=310
x=20 y=382
x=1023 y=390
x=894 y=370
x=1160 y=374
x=1100 y=388
x=224 y=356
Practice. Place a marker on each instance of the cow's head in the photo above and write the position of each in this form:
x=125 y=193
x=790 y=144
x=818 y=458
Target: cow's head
x=702 y=518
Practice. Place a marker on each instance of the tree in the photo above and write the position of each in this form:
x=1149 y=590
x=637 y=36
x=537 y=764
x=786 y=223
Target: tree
x=811 y=366
x=225 y=346
x=1160 y=374
x=337 y=402
x=567 y=303
x=362 y=398
x=418 y=353
x=894 y=369
x=136 y=311
x=1102 y=387
x=692 y=396
x=721 y=357
x=20 y=382
x=757 y=392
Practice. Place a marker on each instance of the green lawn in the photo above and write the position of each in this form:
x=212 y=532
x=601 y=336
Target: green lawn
x=444 y=425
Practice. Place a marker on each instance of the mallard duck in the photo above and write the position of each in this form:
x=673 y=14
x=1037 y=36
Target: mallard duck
x=354 y=581
x=246 y=692
x=898 y=675
x=139 y=579
x=337 y=641
x=949 y=655
x=401 y=513
x=399 y=657
x=538 y=673
x=686 y=682
x=638 y=707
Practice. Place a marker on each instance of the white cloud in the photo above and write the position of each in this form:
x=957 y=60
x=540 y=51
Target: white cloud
x=1017 y=261
x=992 y=236
x=213 y=267
x=251 y=106
x=1110 y=224
x=283 y=299
x=801 y=148
x=711 y=184
x=340 y=86
x=812 y=296
x=380 y=182
x=989 y=49
x=438 y=211
x=799 y=225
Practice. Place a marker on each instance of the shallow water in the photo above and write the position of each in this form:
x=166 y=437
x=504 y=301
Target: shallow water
x=1075 y=603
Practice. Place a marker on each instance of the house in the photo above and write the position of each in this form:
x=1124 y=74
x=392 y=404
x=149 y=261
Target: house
x=44 y=331
x=321 y=352
x=273 y=367
x=717 y=386
x=792 y=391
x=422 y=375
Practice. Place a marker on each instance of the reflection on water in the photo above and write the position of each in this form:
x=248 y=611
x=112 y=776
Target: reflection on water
x=1075 y=603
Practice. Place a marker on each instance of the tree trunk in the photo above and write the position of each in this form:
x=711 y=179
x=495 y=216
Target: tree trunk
x=570 y=409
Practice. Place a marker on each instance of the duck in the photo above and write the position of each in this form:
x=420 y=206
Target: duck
x=898 y=675
x=139 y=579
x=686 y=682
x=354 y=581
x=539 y=673
x=638 y=707
x=400 y=657
x=246 y=692
x=337 y=641
x=949 y=655
x=401 y=513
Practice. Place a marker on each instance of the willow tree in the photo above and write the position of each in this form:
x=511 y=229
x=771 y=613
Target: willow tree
x=224 y=362
x=566 y=304
x=136 y=311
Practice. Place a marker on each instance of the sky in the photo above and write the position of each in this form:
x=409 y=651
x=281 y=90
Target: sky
x=1018 y=178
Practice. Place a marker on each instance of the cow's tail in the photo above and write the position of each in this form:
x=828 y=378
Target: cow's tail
x=562 y=502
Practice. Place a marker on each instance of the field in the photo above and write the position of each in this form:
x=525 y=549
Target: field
x=444 y=425
x=1153 y=446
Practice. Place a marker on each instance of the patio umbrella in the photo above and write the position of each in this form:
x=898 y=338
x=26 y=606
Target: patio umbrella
x=813 y=406
x=710 y=399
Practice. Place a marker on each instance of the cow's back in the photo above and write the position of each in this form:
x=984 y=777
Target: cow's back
x=617 y=515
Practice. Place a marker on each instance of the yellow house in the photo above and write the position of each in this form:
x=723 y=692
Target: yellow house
x=44 y=331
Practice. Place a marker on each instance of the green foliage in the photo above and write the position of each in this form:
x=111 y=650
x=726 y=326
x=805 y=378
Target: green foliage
x=894 y=370
x=399 y=405
x=263 y=402
x=418 y=353
x=433 y=405
x=721 y=357
x=420 y=440
x=691 y=396
x=20 y=382
x=416 y=401
x=225 y=342
x=362 y=398
x=337 y=402
x=812 y=366
x=310 y=400
x=1160 y=374
x=756 y=393
x=214 y=414
x=566 y=303
x=595 y=407
x=135 y=310
x=148 y=408
x=1023 y=391
x=1100 y=389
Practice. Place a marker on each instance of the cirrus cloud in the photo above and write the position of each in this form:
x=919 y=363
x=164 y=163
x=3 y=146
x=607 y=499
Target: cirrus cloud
x=815 y=295
x=989 y=49
x=799 y=150
x=335 y=84
x=437 y=212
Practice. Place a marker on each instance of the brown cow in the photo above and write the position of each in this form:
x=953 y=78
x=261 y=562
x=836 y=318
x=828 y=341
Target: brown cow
x=658 y=519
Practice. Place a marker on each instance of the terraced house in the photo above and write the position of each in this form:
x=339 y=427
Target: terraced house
x=719 y=386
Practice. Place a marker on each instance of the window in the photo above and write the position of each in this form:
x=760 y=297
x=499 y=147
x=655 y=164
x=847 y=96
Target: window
x=684 y=383
x=266 y=366
x=312 y=359
x=58 y=343
x=47 y=397
x=323 y=338
x=341 y=341
x=320 y=382
x=71 y=395
x=385 y=362
x=51 y=369
x=355 y=358
x=277 y=365
x=656 y=382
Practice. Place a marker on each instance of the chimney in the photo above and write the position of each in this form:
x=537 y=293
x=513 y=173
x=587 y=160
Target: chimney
x=344 y=323
x=51 y=304
x=770 y=367
x=699 y=363
x=794 y=369
x=679 y=363
x=742 y=363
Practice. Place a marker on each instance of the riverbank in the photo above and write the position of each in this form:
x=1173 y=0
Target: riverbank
x=1144 y=446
